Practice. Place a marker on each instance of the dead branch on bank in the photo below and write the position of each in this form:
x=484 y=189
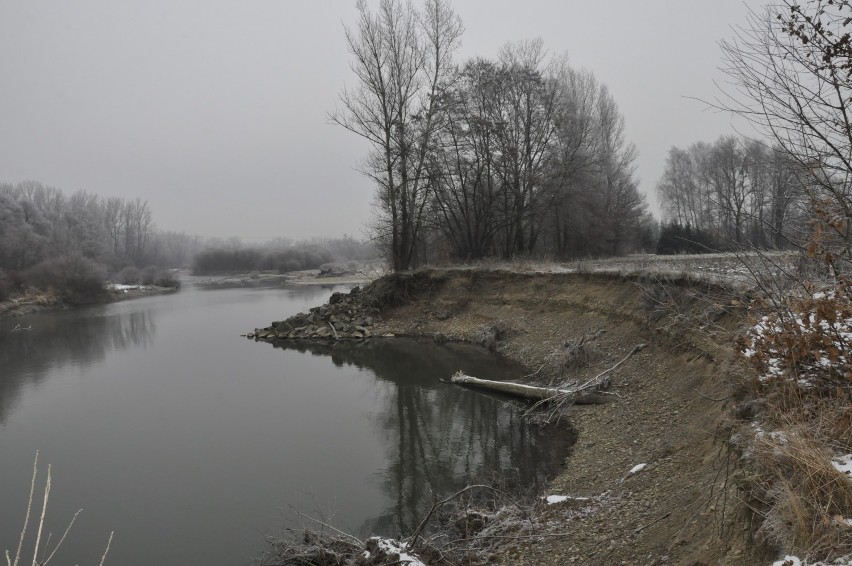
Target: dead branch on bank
x=462 y=529
x=558 y=397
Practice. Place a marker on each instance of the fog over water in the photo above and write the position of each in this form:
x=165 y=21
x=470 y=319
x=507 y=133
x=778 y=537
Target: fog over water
x=216 y=112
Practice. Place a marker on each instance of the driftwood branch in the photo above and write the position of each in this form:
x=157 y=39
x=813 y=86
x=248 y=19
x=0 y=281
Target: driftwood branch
x=545 y=394
x=438 y=504
x=510 y=387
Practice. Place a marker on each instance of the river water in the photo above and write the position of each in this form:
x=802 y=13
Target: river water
x=193 y=444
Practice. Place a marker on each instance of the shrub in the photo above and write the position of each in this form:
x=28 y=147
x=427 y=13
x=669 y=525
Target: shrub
x=165 y=278
x=149 y=275
x=806 y=341
x=77 y=279
x=129 y=276
x=675 y=239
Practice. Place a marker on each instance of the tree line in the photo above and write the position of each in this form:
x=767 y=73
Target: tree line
x=73 y=242
x=281 y=255
x=731 y=193
x=518 y=155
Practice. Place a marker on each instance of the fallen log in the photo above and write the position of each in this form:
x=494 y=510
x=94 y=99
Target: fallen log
x=562 y=395
x=517 y=389
x=576 y=395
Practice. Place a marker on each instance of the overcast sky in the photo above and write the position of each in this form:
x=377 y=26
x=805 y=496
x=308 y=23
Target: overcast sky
x=216 y=112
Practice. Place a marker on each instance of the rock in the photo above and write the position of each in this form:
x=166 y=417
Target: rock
x=335 y=298
x=439 y=337
x=354 y=291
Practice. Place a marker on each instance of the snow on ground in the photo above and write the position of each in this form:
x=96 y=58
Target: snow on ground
x=554 y=499
x=796 y=561
x=122 y=287
x=636 y=469
x=390 y=546
x=731 y=268
x=843 y=464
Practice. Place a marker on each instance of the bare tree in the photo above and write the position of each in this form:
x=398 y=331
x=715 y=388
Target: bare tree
x=790 y=73
x=402 y=58
x=525 y=126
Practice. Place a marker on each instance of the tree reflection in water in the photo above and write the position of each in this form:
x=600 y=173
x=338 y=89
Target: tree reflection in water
x=440 y=437
x=58 y=339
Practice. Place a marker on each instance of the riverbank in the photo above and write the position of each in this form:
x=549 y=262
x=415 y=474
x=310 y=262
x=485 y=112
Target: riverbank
x=667 y=417
x=270 y=279
x=37 y=300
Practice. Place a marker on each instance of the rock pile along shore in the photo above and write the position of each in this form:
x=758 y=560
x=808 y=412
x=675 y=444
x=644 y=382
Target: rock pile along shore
x=344 y=317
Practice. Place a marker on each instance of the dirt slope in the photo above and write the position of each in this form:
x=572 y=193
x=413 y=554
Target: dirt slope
x=670 y=406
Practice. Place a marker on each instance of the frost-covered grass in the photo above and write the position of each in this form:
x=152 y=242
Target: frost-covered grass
x=738 y=268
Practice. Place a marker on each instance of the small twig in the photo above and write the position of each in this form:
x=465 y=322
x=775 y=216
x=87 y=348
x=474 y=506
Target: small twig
x=511 y=537
x=437 y=505
x=713 y=398
x=652 y=523
x=635 y=349
x=27 y=516
x=336 y=337
x=43 y=513
x=109 y=542
x=338 y=531
x=65 y=534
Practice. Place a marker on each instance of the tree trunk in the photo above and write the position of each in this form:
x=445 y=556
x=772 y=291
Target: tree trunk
x=576 y=395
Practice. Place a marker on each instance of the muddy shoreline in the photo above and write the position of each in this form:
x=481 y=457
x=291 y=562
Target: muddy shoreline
x=670 y=406
x=44 y=302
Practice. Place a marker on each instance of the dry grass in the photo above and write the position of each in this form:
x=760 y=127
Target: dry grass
x=809 y=500
x=45 y=558
x=803 y=503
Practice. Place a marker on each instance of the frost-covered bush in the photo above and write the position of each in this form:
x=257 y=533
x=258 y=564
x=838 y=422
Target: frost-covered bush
x=805 y=340
x=78 y=279
x=129 y=276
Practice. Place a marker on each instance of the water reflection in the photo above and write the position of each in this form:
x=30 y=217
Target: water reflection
x=78 y=338
x=439 y=437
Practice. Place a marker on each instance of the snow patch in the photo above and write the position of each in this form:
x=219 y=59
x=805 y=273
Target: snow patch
x=790 y=560
x=636 y=469
x=843 y=465
x=123 y=288
x=553 y=499
x=390 y=546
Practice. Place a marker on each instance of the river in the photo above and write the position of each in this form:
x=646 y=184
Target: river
x=193 y=444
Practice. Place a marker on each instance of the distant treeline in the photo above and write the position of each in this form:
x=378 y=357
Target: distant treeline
x=676 y=238
x=280 y=255
x=731 y=193
x=73 y=243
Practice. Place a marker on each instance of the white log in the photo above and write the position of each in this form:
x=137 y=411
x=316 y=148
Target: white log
x=518 y=389
x=562 y=395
